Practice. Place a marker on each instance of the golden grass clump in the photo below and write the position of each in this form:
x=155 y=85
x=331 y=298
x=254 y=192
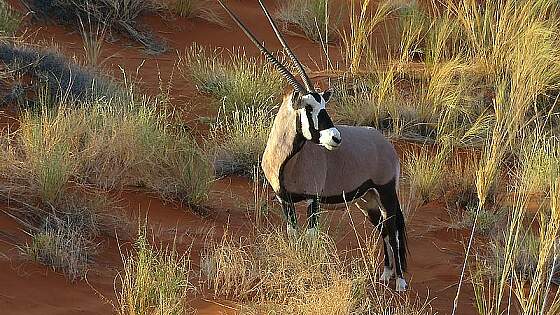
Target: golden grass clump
x=424 y=173
x=275 y=275
x=155 y=280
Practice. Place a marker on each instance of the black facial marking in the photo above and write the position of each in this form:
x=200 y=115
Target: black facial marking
x=314 y=132
x=325 y=121
x=317 y=97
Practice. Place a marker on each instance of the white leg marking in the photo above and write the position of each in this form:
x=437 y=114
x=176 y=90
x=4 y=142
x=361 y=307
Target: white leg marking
x=312 y=233
x=400 y=285
x=292 y=232
x=386 y=275
x=398 y=256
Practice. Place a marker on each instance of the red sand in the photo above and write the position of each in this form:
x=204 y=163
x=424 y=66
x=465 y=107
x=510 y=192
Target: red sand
x=28 y=288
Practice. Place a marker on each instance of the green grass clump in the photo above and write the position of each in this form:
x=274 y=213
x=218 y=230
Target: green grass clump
x=9 y=20
x=237 y=81
x=155 y=280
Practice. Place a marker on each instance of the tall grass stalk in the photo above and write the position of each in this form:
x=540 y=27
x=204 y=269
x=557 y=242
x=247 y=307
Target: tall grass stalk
x=363 y=21
x=93 y=41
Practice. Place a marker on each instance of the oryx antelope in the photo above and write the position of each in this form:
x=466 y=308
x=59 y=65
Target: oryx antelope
x=308 y=158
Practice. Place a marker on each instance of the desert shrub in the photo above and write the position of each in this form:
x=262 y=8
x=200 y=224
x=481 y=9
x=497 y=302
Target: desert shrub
x=119 y=15
x=236 y=80
x=203 y=9
x=63 y=232
x=57 y=79
x=154 y=279
x=9 y=20
x=319 y=20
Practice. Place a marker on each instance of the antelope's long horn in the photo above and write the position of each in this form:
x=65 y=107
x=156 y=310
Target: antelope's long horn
x=285 y=72
x=301 y=71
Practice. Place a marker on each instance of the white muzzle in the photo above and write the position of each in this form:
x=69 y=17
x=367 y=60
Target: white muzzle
x=330 y=138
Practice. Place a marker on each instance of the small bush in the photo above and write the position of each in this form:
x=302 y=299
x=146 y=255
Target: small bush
x=155 y=280
x=9 y=20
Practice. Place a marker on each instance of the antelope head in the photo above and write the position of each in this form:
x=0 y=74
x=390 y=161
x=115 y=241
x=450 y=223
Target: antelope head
x=314 y=122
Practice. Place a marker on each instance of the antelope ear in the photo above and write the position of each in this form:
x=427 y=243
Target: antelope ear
x=327 y=95
x=296 y=100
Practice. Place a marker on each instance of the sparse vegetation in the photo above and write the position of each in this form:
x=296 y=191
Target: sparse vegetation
x=118 y=15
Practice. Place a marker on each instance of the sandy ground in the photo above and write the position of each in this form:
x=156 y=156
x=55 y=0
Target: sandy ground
x=29 y=288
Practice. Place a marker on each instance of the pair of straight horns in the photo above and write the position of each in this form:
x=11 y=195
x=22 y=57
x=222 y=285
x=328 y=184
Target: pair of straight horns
x=283 y=70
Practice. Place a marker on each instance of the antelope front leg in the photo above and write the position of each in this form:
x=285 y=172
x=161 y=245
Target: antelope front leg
x=312 y=217
x=291 y=219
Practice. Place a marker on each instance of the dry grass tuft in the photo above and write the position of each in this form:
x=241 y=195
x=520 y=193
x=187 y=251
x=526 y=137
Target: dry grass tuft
x=273 y=274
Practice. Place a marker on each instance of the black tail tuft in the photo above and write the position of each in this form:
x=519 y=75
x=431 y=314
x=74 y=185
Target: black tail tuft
x=401 y=229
